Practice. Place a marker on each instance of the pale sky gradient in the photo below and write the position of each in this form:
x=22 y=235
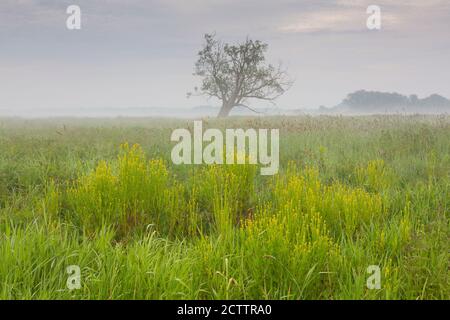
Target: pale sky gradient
x=140 y=53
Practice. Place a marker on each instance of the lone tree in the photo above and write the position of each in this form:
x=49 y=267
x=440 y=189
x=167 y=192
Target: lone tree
x=238 y=73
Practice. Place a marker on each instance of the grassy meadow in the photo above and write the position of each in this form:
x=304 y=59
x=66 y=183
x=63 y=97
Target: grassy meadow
x=103 y=194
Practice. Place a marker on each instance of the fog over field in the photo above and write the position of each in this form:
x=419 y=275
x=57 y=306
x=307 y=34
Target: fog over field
x=357 y=103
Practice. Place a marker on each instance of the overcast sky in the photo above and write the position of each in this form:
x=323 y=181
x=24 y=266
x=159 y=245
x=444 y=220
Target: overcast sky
x=140 y=53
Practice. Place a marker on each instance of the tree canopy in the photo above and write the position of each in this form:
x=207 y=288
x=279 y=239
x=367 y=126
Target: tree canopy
x=236 y=74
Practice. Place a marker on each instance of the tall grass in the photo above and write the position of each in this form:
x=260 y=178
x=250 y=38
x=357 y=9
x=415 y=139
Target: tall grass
x=351 y=193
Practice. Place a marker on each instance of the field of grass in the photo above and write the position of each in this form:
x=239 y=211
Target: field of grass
x=104 y=195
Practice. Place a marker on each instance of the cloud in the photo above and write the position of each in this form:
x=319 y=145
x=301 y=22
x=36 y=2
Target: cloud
x=343 y=16
x=229 y=17
x=325 y=21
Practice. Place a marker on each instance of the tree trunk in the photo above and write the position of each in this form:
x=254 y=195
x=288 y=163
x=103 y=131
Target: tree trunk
x=225 y=110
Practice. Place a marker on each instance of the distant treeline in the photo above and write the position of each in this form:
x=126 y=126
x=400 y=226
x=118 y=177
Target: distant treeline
x=374 y=101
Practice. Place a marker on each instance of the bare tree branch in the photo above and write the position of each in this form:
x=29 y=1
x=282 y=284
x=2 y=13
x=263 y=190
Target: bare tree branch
x=245 y=106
